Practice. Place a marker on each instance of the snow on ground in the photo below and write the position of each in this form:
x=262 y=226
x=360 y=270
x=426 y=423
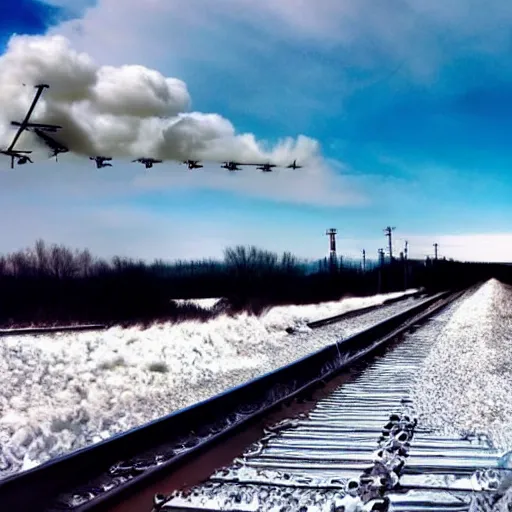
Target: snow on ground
x=466 y=381
x=299 y=315
x=281 y=317
x=334 y=332
x=202 y=303
x=65 y=391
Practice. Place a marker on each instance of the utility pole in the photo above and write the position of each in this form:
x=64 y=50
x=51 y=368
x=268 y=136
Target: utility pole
x=331 y=233
x=381 y=268
x=388 y=232
x=381 y=257
x=364 y=260
x=403 y=261
x=406 y=270
x=435 y=251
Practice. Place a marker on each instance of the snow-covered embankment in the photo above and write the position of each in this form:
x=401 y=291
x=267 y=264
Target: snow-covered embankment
x=465 y=384
x=66 y=391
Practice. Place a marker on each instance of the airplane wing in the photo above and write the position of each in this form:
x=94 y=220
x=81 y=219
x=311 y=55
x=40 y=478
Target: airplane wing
x=39 y=126
x=27 y=117
x=54 y=145
x=51 y=142
x=14 y=152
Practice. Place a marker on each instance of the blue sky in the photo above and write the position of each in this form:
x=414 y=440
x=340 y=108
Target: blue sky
x=25 y=17
x=410 y=101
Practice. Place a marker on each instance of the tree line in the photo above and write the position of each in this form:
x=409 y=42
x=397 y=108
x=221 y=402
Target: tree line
x=53 y=284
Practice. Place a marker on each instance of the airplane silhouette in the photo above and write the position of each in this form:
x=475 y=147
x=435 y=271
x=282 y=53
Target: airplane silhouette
x=26 y=125
x=231 y=166
x=148 y=162
x=193 y=164
x=100 y=161
x=266 y=167
x=20 y=155
x=55 y=146
x=294 y=165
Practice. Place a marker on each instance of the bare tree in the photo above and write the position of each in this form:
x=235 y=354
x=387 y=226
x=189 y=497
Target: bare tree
x=42 y=257
x=21 y=263
x=62 y=263
x=102 y=267
x=3 y=266
x=85 y=263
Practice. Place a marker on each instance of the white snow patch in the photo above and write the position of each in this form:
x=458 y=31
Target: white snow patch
x=465 y=383
x=62 y=392
x=202 y=303
x=281 y=317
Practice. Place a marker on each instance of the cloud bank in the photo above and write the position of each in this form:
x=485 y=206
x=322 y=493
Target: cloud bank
x=125 y=111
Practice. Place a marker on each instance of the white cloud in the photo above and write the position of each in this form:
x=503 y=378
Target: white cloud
x=130 y=111
x=124 y=111
x=420 y=35
x=127 y=111
x=319 y=184
x=315 y=185
x=391 y=23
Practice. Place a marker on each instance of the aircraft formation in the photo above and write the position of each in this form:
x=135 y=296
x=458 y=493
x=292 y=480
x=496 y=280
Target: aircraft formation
x=41 y=130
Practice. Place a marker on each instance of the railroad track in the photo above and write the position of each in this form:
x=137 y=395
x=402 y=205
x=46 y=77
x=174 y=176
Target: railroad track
x=56 y=329
x=97 y=477
x=361 y=311
x=23 y=331
x=327 y=459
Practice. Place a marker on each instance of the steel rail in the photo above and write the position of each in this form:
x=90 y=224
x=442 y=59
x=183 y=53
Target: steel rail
x=358 y=312
x=52 y=330
x=95 y=477
x=20 y=331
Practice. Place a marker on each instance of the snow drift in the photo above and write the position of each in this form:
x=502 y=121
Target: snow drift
x=66 y=391
x=466 y=381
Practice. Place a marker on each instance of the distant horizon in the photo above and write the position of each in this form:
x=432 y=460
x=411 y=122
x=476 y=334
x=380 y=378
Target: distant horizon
x=311 y=261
